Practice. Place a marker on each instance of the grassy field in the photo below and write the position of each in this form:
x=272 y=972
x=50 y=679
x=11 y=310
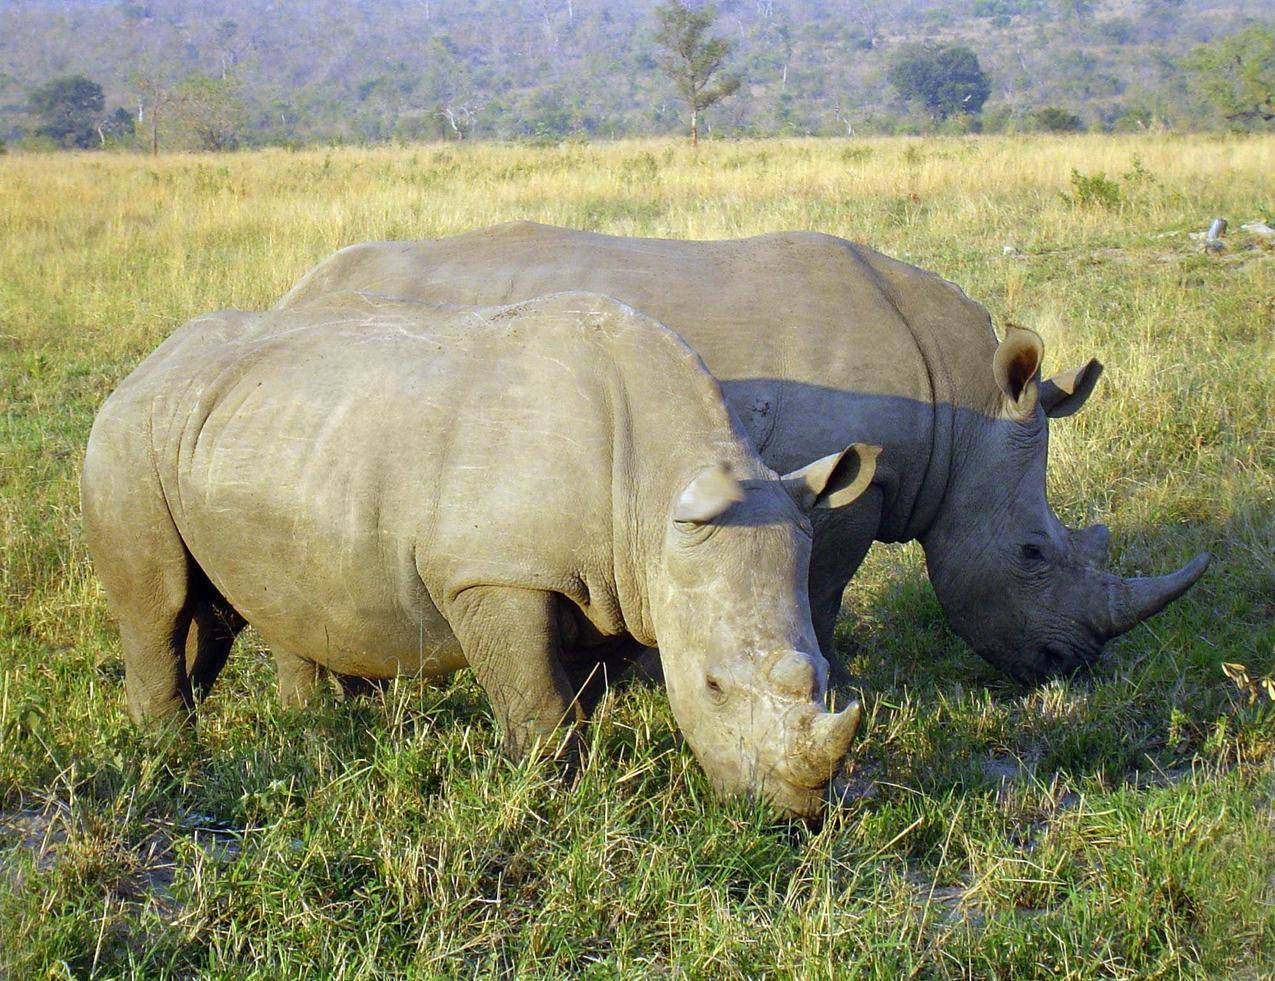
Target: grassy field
x=1118 y=824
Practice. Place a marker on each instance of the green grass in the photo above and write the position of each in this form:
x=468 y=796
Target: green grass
x=1118 y=824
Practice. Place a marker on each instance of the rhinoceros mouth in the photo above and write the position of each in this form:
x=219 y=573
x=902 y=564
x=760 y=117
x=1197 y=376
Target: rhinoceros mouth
x=795 y=800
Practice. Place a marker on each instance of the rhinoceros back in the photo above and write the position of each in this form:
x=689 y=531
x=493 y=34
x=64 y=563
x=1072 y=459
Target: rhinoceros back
x=817 y=342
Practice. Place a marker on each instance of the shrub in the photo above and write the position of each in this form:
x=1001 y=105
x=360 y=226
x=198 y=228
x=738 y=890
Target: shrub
x=1137 y=174
x=1051 y=119
x=1120 y=30
x=1093 y=190
x=1134 y=119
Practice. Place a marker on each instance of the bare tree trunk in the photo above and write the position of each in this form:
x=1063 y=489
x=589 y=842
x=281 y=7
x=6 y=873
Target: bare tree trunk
x=694 y=127
x=155 y=129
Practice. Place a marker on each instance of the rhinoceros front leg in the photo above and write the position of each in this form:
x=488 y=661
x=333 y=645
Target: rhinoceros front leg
x=510 y=639
x=842 y=539
x=594 y=670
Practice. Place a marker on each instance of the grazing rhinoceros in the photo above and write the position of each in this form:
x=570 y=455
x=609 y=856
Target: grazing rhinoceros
x=818 y=343
x=381 y=488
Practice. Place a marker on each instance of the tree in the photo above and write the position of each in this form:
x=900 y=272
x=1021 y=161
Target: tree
x=944 y=79
x=460 y=118
x=693 y=60
x=1237 y=73
x=867 y=14
x=210 y=111
x=69 y=108
x=117 y=126
x=154 y=96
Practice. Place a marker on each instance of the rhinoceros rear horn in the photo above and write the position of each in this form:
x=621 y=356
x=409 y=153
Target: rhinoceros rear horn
x=1135 y=600
x=792 y=673
x=833 y=732
x=708 y=496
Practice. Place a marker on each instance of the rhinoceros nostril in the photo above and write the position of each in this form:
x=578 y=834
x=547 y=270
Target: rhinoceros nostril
x=1058 y=659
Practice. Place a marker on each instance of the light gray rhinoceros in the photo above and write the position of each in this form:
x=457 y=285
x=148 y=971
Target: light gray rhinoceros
x=818 y=343
x=380 y=488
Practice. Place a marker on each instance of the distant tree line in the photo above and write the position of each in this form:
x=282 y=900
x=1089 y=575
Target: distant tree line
x=942 y=85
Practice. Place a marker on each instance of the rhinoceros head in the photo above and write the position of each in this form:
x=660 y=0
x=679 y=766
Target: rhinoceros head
x=1026 y=592
x=745 y=676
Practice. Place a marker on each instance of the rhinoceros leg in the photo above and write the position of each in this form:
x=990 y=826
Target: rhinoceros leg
x=155 y=681
x=146 y=573
x=350 y=686
x=510 y=639
x=299 y=678
x=214 y=625
x=842 y=539
x=594 y=670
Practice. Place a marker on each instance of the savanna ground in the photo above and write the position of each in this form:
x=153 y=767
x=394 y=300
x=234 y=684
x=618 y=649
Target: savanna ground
x=1117 y=824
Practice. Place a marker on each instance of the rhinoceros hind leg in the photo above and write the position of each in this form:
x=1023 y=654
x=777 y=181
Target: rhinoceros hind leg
x=510 y=639
x=155 y=681
x=299 y=679
x=146 y=573
x=214 y=625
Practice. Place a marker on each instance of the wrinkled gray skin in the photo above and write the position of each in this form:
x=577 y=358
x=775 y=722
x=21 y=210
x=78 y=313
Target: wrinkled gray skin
x=382 y=489
x=819 y=343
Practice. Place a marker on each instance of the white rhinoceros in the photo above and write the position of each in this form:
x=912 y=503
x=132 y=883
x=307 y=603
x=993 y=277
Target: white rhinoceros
x=819 y=342
x=380 y=488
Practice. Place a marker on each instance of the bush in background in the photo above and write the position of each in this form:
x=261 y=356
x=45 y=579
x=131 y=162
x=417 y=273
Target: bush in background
x=1051 y=119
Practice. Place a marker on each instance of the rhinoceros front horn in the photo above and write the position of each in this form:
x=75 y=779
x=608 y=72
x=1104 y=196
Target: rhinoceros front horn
x=1134 y=600
x=833 y=732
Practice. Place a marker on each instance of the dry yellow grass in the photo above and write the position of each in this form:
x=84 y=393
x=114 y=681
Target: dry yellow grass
x=1117 y=825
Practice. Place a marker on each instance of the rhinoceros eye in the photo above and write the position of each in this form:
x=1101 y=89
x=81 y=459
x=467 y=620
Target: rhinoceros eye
x=715 y=690
x=1032 y=553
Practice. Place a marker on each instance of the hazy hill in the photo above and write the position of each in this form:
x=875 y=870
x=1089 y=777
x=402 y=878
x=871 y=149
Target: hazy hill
x=377 y=69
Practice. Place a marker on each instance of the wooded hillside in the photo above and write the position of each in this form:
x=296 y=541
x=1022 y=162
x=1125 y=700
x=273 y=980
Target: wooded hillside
x=369 y=70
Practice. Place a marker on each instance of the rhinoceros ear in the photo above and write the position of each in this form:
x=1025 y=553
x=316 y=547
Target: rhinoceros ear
x=708 y=496
x=835 y=480
x=1064 y=393
x=1016 y=366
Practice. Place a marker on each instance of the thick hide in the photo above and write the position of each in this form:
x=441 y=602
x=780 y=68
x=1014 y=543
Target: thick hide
x=531 y=491
x=818 y=343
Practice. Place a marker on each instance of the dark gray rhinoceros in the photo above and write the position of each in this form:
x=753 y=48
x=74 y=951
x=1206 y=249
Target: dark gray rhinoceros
x=381 y=488
x=818 y=343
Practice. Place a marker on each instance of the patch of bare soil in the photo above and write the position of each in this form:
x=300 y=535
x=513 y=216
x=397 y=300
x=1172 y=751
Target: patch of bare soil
x=45 y=834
